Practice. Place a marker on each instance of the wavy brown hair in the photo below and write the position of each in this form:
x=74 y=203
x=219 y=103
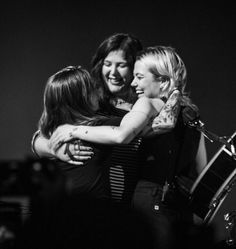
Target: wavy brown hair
x=68 y=98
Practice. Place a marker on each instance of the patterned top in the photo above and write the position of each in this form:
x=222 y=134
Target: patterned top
x=124 y=167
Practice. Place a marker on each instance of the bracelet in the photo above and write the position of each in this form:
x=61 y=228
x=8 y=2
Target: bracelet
x=35 y=136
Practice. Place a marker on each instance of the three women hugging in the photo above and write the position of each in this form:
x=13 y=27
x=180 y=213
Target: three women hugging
x=119 y=133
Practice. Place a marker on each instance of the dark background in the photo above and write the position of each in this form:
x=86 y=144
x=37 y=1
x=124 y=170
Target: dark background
x=39 y=38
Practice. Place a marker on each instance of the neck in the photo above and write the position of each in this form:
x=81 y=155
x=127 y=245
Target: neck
x=127 y=96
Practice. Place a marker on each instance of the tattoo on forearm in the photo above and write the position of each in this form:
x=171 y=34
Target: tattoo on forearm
x=134 y=132
x=169 y=112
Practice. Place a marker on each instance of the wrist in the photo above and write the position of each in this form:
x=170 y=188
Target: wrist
x=50 y=150
x=74 y=132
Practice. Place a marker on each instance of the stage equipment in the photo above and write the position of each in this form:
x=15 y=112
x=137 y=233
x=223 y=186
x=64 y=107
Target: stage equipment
x=213 y=194
x=25 y=185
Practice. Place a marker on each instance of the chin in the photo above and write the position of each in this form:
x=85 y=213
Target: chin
x=140 y=93
x=116 y=89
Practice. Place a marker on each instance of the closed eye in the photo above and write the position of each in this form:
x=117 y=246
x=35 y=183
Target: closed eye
x=107 y=63
x=123 y=65
x=138 y=76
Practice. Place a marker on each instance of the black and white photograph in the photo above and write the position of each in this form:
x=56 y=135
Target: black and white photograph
x=118 y=125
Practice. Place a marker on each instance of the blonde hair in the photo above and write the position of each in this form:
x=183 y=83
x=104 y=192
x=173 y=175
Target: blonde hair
x=167 y=66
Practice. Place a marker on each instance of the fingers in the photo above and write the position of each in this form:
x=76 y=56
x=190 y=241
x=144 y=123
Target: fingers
x=75 y=162
x=83 y=153
x=81 y=158
x=85 y=148
x=81 y=149
x=174 y=95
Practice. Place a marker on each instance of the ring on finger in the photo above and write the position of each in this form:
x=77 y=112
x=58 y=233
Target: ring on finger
x=77 y=145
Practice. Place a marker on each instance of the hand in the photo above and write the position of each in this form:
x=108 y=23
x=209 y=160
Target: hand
x=61 y=135
x=61 y=155
x=167 y=118
x=78 y=152
x=73 y=153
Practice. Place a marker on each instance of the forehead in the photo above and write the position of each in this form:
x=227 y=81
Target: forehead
x=117 y=55
x=141 y=67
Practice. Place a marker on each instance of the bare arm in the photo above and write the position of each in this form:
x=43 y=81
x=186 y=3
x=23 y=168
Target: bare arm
x=130 y=126
x=168 y=116
x=39 y=146
x=201 y=157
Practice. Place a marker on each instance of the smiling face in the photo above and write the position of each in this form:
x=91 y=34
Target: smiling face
x=117 y=73
x=144 y=82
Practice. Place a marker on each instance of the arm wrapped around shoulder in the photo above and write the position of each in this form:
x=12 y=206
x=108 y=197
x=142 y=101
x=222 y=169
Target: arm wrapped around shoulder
x=167 y=118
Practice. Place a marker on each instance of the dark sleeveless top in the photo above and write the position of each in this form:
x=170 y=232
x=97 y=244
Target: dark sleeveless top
x=170 y=154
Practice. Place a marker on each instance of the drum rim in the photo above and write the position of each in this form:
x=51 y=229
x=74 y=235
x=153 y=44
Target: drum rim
x=230 y=181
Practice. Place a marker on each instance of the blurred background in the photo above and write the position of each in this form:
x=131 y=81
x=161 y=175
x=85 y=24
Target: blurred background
x=39 y=38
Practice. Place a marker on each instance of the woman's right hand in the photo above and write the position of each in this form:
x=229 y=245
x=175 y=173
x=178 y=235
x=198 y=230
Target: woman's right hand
x=74 y=153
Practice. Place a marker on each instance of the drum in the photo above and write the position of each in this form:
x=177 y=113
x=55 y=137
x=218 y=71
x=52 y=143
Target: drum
x=213 y=194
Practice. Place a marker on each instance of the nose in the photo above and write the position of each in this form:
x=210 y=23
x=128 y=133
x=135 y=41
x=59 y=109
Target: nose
x=113 y=70
x=133 y=83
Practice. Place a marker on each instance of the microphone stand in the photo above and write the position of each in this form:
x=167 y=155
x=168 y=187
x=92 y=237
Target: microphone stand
x=212 y=137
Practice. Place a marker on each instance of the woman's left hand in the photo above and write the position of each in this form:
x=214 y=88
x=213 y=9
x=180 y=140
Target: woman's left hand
x=62 y=134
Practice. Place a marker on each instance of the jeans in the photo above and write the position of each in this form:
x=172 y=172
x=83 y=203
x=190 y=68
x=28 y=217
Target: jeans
x=162 y=217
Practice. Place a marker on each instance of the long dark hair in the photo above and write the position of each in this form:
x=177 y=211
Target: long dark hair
x=68 y=97
x=128 y=43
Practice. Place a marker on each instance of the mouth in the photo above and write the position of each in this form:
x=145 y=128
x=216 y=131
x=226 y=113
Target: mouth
x=115 y=81
x=139 y=92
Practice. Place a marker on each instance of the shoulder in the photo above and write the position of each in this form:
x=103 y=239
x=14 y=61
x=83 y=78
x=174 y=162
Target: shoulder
x=155 y=104
x=144 y=105
x=150 y=105
x=143 y=102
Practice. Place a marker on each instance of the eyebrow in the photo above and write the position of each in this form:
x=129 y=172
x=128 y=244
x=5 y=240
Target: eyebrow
x=140 y=74
x=123 y=61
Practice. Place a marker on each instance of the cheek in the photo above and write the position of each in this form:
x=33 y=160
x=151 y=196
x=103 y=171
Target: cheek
x=127 y=75
x=156 y=90
x=151 y=88
x=104 y=71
